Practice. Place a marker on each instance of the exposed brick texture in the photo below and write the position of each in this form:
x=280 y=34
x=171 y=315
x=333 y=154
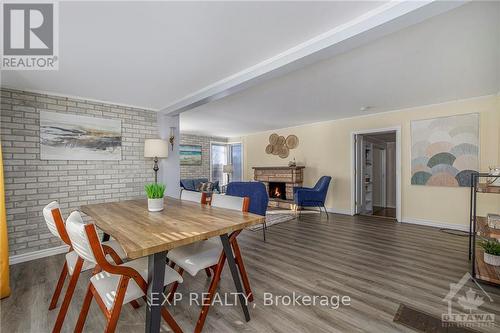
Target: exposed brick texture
x=203 y=170
x=31 y=183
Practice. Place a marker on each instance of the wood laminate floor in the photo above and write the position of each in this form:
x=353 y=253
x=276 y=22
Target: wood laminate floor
x=384 y=212
x=379 y=264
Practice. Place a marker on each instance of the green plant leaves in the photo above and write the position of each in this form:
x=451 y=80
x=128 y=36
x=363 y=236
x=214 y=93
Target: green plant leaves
x=154 y=191
x=491 y=247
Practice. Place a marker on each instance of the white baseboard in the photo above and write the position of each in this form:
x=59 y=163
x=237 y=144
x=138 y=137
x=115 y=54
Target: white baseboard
x=436 y=224
x=339 y=211
x=18 y=258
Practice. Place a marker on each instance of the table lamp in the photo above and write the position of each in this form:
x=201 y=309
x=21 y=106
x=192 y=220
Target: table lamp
x=228 y=168
x=155 y=148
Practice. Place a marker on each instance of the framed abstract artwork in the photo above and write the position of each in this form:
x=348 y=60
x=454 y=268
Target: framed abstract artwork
x=190 y=154
x=445 y=151
x=72 y=137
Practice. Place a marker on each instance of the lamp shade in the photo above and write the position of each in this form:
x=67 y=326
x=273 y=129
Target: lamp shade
x=155 y=148
x=228 y=168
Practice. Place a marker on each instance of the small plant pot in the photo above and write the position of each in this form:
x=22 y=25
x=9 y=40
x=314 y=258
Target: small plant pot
x=155 y=205
x=491 y=259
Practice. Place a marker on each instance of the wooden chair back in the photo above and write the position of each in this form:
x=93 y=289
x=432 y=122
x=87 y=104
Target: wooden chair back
x=55 y=223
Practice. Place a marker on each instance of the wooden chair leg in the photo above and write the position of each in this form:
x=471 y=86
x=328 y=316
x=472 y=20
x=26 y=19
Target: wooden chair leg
x=117 y=306
x=173 y=289
x=60 y=284
x=211 y=293
x=135 y=304
x=85 y=310
x=170 y=320
x=241 y=267
x=207 y=271
x=67 y=298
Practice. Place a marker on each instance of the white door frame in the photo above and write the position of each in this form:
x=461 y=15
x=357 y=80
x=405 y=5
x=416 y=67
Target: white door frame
x=397 y=129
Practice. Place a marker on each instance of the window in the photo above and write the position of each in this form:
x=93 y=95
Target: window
x=222 y=154
x=237 y=161
x=218 y=158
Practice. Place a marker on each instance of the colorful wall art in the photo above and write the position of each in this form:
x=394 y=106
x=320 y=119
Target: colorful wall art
x=445 y=151
x=72 y=137
x=190 y=154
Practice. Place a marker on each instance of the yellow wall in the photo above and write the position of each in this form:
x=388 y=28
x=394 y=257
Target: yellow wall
x=325 y=149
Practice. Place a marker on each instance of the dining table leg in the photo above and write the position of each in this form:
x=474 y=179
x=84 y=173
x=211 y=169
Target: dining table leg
x=156 y=275
x=235 y=274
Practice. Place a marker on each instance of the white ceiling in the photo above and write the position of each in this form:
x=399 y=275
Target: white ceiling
x=150 y=54
x=452 y=56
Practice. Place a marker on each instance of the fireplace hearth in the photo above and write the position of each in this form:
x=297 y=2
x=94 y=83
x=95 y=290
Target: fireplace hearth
x=277 y=190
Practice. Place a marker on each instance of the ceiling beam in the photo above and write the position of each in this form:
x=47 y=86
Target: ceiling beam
x=386 y=19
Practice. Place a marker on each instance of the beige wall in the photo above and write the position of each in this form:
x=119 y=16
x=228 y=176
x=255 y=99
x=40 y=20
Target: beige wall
x=325 y=149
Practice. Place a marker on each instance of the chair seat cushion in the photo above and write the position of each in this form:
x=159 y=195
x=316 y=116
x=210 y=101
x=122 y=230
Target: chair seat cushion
x=197 y=256
x=72 y=257
x=106 y=284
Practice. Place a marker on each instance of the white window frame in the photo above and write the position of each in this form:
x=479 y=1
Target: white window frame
x=228 y=157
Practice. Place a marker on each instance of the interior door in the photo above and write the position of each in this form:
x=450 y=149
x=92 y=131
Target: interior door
x=358 y=172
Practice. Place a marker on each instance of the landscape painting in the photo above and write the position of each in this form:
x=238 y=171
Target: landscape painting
x=445 y=151
x=190 y=154
x=72 y=137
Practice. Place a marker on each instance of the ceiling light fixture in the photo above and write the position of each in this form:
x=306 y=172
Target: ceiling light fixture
x=365 y=108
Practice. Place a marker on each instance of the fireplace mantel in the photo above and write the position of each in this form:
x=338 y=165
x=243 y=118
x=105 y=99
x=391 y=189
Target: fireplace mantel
x=279 y=167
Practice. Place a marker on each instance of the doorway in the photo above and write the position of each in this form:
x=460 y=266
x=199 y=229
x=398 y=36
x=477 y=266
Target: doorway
x=376 y=169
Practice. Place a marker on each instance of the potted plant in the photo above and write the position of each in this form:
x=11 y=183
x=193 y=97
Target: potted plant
x=155 y=196
x=491 y=252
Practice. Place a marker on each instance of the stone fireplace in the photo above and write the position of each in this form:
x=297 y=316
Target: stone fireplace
x=280 y=182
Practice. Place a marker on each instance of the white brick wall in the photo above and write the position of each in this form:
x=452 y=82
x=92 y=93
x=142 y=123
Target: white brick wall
x=203 y=170
x=31 y=183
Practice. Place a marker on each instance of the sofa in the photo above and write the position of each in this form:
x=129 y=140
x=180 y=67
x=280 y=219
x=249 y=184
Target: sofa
x=192 y=184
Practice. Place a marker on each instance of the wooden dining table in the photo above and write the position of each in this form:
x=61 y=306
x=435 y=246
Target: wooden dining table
x=142 y=233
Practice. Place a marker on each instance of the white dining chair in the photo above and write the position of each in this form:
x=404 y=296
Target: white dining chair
x=209 y=254
x=112 y=285
x=72 y=265
x=194 y=196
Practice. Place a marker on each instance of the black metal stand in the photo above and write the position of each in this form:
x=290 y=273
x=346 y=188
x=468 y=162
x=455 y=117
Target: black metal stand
x=156 y=275
x=156 y=168
x=475 y=177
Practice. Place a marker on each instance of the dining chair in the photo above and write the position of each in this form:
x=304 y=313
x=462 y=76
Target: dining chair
x=257 y=193
x=194 y=196
x=111 y=285
x=73 y=265
x=209 y=254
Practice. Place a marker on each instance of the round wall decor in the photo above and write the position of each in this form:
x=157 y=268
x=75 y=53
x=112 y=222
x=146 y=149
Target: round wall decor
x=292 y=141
x=273 y=138
x=284 y=151
x=280 y=146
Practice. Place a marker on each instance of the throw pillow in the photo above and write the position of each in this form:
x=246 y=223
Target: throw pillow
x=206 y=187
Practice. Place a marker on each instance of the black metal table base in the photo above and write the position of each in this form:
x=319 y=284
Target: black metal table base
x=235 y=274
x=156 y=275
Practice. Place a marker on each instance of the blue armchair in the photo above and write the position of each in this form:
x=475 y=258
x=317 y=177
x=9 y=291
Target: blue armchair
x=313 y=197
x=257 y=193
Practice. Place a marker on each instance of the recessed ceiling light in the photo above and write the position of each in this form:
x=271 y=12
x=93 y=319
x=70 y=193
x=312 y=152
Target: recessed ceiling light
x=365 y=108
